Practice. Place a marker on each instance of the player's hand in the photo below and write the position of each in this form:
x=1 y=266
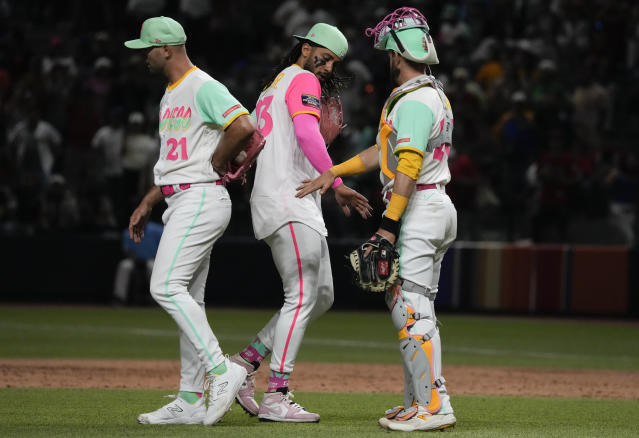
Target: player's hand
x=322 y=182
x=219 y=167
x=347 y=197
x=138 y=222
x=386 y=235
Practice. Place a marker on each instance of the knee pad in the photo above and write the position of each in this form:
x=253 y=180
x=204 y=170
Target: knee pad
x=416 y=351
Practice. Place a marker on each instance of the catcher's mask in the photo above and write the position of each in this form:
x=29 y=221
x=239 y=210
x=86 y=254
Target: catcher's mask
x=406 y=32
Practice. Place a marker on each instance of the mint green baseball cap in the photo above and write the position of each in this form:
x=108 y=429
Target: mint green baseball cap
x=328 y=37
x=158 y=31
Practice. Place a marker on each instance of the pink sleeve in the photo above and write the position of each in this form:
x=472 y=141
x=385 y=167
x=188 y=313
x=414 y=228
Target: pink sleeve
x=303 y=95
x=312 y=144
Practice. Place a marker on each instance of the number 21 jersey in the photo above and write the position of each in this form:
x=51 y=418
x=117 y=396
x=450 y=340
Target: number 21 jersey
x=194 y=112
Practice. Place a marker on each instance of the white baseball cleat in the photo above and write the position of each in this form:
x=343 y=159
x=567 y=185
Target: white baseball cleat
x=389 y=415
x=423 y=422
x=277 y=406
x=222 y=390
x=417 y=418
x=246 y=395
x=178 y=411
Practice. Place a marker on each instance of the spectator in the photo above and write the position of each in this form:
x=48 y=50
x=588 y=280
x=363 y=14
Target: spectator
x=35 y=144
x=623 y=183
x=573 y=62
x=60 y=210
x=552 y=176
x=138 y=145
x=108 y=143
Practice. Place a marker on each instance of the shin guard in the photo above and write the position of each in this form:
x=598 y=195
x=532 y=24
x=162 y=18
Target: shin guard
x=417 y=354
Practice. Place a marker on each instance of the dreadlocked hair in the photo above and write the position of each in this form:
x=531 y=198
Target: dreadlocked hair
x=290 y=58
x=334 y=85
x=331 y=87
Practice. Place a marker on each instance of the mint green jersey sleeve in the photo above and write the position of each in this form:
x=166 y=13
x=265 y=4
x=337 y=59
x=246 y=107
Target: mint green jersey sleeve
x=413 y=122
x=217 y=105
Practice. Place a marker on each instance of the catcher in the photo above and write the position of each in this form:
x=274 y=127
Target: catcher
x=413 y=143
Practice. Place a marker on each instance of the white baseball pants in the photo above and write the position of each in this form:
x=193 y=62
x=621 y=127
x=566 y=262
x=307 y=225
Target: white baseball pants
x=301 y=256
x=194 y=220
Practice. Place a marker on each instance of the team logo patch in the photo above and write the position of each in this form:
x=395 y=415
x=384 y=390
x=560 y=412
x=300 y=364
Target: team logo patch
x=310 y=100
x=382 y=266
x=231 y=109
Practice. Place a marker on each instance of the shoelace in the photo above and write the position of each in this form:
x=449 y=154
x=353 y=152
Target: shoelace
x=207 y=382
x=210 y=378
x=250 y=379
x=288 y=396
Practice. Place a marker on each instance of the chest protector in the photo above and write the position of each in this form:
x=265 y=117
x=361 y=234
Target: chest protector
x=387 y=135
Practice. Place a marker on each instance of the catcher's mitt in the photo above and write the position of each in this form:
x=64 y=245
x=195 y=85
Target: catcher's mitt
x=237 y=172
x=331 y=118
x=378 y=270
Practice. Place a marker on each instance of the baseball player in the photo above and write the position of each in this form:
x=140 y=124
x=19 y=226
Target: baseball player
x=413 y=143
x=197 y=117
x=288 y=113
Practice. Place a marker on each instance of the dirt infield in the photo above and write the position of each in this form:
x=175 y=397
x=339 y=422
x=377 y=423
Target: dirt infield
x=326 y=377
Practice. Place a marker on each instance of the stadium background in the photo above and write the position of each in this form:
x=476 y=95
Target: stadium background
x=545 y=180
x=545 y=165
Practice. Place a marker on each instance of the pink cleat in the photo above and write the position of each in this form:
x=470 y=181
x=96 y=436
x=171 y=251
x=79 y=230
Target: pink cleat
x=246 y=395
x=277 y=406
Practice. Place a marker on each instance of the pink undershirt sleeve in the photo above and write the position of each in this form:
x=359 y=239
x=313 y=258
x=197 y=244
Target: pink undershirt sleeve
x=302 y=100
x=312 y=144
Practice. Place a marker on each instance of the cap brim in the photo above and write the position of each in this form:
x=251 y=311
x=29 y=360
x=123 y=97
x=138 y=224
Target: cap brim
x=137 y=44
x=303 y=39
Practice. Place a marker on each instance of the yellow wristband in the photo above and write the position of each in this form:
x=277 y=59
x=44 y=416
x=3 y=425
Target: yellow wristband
x=349 y=167
x=396 y=206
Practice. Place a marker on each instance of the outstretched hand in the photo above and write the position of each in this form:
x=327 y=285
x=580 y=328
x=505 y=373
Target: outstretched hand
x=322 y=182
x=347 y=197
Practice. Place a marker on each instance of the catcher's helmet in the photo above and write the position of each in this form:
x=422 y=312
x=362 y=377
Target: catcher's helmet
x=406 y=32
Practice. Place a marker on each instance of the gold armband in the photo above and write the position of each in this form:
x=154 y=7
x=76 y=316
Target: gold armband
x=410 y=164
x=349 y=167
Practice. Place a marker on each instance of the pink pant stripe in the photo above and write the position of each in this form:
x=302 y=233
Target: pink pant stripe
x=299 y=304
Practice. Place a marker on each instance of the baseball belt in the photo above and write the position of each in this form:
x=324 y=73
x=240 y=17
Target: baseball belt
x=418 y=187
x=171 y=189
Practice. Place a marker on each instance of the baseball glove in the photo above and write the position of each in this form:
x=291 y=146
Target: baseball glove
x=237 y=171
x=331 y=118
x=378 y=270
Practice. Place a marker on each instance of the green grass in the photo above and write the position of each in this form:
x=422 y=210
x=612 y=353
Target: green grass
x=149 y=333
x=100 y=413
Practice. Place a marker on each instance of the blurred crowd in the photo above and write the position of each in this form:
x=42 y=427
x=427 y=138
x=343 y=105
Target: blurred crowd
x=543 y=93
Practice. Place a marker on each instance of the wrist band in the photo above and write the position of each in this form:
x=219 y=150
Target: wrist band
x=353 y=166
x=338 y=182
x=390 y=225
x=396 y=206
